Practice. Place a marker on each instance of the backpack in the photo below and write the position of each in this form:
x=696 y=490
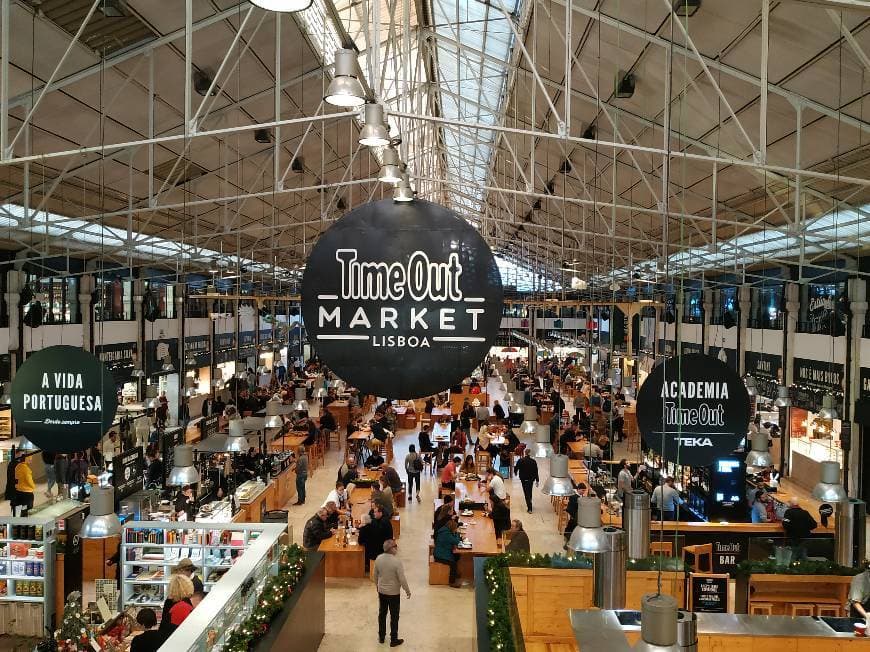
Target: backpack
x=417 y=464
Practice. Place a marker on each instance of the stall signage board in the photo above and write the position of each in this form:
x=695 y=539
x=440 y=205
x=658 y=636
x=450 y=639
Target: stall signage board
x=764 y=365
x=171 y=438
x=709 y=593
x=63 y=399
x=209 y=426
x=693 y=409
x=118 y=358
x=199 y=346
x=247 y=338
x=688 y=348
x=156 y=351
x=667 y=348
x=127 y=470
x=862 y=404
x=817 y=374
x=401 y=299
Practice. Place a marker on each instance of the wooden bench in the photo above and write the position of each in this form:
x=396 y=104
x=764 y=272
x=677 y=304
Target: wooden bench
x=439 y=574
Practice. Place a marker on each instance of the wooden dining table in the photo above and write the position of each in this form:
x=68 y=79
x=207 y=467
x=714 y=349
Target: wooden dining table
x=480 y=531
x=293 y=441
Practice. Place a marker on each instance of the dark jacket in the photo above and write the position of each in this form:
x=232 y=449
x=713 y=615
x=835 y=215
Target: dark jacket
x=393 y=480
x=527 y=469
x=797 y=523
x=373 y=536
x=498 y=411
x=315 y=531
x=501 y=517
x=519 y=542
x=149 y=641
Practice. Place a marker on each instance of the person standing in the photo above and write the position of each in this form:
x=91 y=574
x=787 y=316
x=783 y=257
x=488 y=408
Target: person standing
x=798 y=525
x=624 y=480
x=579 y=402
x=301 y=476
x=61 y=474
x=24 y=486
x=413 y=467
x=666 y=499
x=389 y=578
x=50 y=475
x=526 y=469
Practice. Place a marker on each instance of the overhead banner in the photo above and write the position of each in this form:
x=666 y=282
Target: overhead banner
x=401 y=299
x=693 y=409
x=818 y=374
x=63 y=399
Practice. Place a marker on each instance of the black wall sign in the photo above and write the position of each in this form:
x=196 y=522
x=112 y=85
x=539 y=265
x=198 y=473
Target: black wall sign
x=224 y=347
x=118 y=359
x=127 y=472
x=264 y=336
x=690 y=348
x=728 y=552
x=157 y=350
x=401 y=299
x=208 y=426
x=862 y=404
x=709 y=593
x=171 y=438
x=816 y=374
x=764 y=365
x=693 y=409
x=63 y=399
x=247 y=338
x=198 y=345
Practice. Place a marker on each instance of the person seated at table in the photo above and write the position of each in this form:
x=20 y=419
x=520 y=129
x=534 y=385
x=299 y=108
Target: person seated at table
x=374 y=529
x=333 y=515
x=349 y=462
x=316 y=530
x=382 y=495
x=468 y=465
x=500 y=514
x=327 y=422
x=495 y=484
x=150 y=639
x=592 y=450
x=340 y=496
x=458 y=439
x=518 y=538
x=329 y=398
x=375 y=460
x=392 y=477
x=448 y=475
x=567 y=437
x=512 y=441
x=474 y=386
x=483 y=438
x=425 y=441
x=446 y=540
x=504 y=461
x=446 y=512
x=498 y=411
x=759 y=507
x=379 y=432
x=580 y=490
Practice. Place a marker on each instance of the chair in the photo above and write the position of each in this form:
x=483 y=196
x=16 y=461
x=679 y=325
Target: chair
x=482 y=462
x=663 y=548
x=760 y=608
x=333 y=434
x=698 y=552
x=802 y=609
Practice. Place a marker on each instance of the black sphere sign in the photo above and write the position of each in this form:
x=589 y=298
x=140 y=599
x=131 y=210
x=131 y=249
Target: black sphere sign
x=63 y=399
x=401 y=300
x=693 y=409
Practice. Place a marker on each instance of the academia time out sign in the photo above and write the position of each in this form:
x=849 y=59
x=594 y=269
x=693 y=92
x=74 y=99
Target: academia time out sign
x=401 y=299
x=63 y=399
x=693 y=409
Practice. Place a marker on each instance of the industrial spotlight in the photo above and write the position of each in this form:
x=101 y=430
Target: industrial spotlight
x=202 y=82
x=374 y=133
x=296 y=165
x=262 y=136
x=403 y=191
x=686 y=8
x=390 y=172
x=283 y=5
x=624 y=85
x=590 y=133
x=345 y=89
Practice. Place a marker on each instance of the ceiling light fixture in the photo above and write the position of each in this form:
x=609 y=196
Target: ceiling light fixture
x=345 y=89
x=686 y=8
x=390 y=172
x=403 y=191
x=374 y=133
x=262 y=136
x=282 y=5
x=113 y=9
x=624 y=85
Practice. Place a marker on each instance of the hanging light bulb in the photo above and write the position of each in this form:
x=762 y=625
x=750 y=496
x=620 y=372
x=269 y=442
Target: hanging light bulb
x=723 y=357
x=168 y=367
x=403 y=191
x=374 y=133
x=828 y=411
x=283 y=5
x=751 y=385
x=390 y=171
x=345 y=89
x=183 y=472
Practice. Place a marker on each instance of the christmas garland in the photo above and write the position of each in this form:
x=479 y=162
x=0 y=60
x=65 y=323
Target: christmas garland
x=270 y=602
x=805 y=567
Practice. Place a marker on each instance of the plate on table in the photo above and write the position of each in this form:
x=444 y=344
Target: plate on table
x=466 y=512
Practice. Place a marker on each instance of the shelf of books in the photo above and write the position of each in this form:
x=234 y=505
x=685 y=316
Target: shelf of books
x=27 y=553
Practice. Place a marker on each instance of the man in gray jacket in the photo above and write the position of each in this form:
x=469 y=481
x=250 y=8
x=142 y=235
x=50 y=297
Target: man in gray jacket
x=389 y=577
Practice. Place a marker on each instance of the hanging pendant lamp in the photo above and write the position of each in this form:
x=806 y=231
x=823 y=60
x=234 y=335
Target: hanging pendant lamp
x=374 y=133
x=283 y=5
x=345 y=89
x=390 y=171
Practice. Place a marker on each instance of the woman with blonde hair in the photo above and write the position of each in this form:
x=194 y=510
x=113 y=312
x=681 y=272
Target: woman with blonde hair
x=177 y=605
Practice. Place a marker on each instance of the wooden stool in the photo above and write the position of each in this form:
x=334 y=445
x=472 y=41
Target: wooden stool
x=439 y=574
x=663 y=548
x=760 y=608
x=333 y=434
x=831 y=610
x=482 y=461
x=397 y=526
x=802 y=609
x=698 y=552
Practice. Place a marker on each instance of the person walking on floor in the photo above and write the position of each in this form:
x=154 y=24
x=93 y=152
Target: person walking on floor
x=389 y=578
x=413 y=467
x=526 y=469
x=301 y=477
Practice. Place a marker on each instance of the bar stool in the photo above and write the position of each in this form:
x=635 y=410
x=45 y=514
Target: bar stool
x=483 y=461
x=760 y=608
x=663 y=548
x=802 y=609
x=830 y=610
x=698 y=552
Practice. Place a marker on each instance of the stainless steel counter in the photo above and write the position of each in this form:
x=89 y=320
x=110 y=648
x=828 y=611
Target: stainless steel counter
x=606 y=629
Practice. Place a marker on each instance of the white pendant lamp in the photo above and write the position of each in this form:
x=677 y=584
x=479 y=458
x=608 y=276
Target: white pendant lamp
x=783 y=399
x=542 y=446
x=102 y=521
x=559 y=483
x=374 y=133
x=390 y=172
x=345 y=89
x=759 y=457
x=300 y=404
x=183 y=471
x=273 y=416
x=403 y=191
x=282 y=5
x=236 y=441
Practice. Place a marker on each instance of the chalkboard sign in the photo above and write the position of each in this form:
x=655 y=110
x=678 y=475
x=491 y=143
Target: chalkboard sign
x=208 y=426
x=127 y=473
x=708 y=593
x=171 y=438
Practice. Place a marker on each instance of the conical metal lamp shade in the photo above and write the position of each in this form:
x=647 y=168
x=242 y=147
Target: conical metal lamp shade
x=273 y=416
x=183 y=472
x=559 y=483
x=345 y=90
x=759 y=456
x=102 y=521
x=829 y=487
x=783 y=398
x=828 y=410
x=588 y=536
x=374 y=133
x=542 y=447
x=529 y=427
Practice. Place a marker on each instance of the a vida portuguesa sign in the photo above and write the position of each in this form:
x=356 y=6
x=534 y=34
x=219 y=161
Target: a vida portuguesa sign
x=63 y=399
x=401 y=299
x=693 y=409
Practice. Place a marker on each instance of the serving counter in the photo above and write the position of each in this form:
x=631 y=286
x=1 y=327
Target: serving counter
x=252 y=497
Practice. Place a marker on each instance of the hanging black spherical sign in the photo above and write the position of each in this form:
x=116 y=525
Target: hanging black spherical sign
x=692 y=409
x=401 y=300
x=63 y=399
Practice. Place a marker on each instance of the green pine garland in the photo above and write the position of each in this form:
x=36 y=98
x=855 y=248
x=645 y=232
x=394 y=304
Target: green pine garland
x=805 y=567
x=270 y=602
